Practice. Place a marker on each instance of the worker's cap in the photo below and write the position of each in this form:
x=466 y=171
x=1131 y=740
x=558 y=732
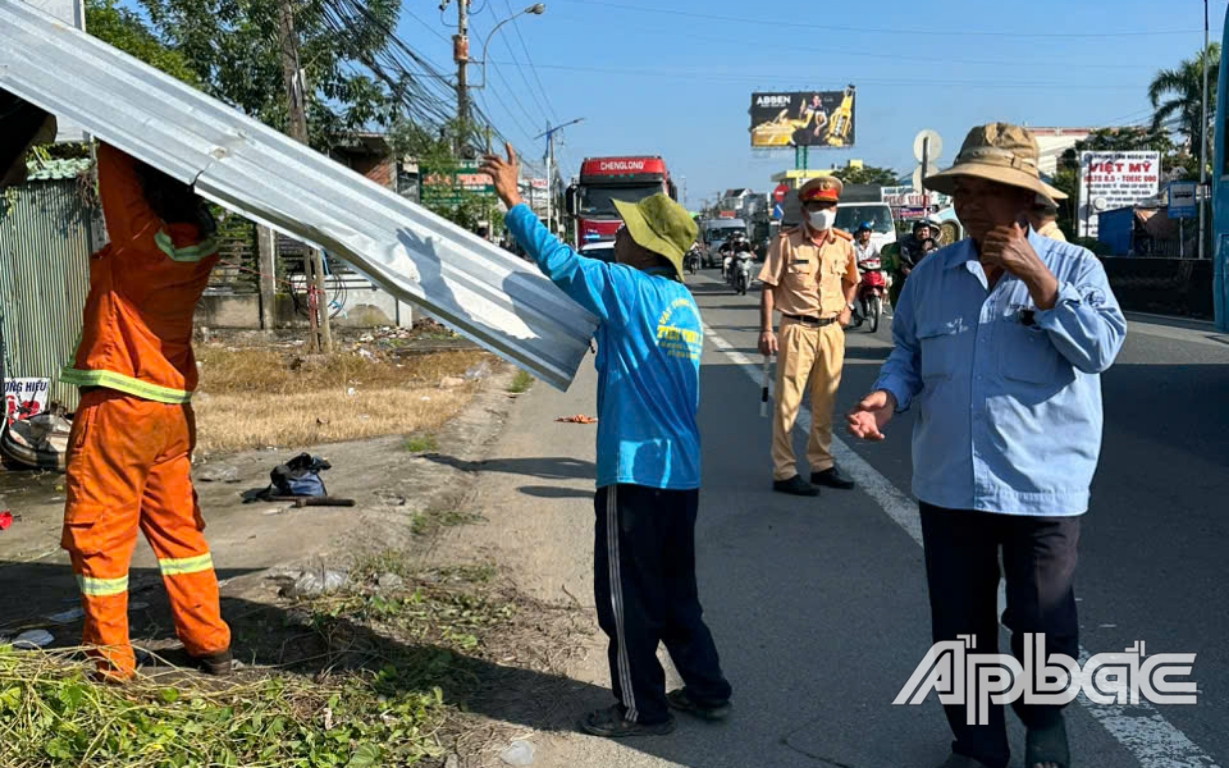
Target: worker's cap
x=660 y=225
x=824 y=189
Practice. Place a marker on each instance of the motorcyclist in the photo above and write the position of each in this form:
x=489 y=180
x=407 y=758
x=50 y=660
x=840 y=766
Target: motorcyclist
x=908 y=252
x=734 y=244
x=863 y=248
x=868 y=257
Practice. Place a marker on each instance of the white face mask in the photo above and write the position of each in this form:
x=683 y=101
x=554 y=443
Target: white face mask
x=822 y=221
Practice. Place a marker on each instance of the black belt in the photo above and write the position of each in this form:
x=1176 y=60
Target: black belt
x=814 y=321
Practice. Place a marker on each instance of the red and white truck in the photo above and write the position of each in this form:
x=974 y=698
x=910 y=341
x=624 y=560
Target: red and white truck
x=590 y=201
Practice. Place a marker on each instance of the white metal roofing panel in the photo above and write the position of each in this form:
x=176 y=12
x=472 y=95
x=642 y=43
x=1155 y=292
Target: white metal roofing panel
x=474 y=287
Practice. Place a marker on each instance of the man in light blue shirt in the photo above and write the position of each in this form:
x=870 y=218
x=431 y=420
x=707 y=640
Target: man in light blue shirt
x=648 y=455
x=1000 y=341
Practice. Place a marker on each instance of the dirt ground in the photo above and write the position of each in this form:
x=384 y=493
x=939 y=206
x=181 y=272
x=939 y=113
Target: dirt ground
x=500 y=640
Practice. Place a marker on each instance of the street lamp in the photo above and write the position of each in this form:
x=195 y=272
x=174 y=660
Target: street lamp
x=537 y=9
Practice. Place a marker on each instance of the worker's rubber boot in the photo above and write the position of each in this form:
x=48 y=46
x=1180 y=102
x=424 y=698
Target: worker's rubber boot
x=220 y=664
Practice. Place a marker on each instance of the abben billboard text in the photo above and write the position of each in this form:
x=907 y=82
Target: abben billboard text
x=803 y=119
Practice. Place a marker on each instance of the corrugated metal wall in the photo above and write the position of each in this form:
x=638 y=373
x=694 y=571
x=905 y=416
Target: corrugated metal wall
x=46 y=237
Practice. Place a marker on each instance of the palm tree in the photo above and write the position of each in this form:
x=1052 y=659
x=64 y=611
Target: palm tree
x=1182 y=111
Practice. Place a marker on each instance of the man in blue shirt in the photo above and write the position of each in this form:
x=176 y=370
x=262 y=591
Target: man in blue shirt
x=1000 y=340
x=648 y=455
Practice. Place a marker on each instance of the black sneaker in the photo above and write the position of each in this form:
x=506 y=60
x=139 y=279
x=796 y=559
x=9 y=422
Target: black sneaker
x=833 y=478
x=795 y=486
x=610 y=723
x=712 y=712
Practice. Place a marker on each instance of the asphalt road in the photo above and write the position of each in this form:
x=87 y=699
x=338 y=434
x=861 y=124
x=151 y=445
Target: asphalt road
x=819 y=606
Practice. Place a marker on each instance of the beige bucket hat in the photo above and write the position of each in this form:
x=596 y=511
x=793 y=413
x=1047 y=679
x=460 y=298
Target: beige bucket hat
x=999 y=152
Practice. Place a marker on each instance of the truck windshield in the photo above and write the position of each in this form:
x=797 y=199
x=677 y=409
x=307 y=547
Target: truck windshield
x=850 y=217
x=599 y=201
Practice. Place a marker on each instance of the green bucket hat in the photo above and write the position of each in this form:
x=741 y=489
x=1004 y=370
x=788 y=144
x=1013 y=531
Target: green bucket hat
x=660 y=225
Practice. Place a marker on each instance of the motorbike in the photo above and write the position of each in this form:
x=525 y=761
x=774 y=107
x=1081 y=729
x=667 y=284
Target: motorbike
x=871 y=291
x=739 y=274
x=691 y=262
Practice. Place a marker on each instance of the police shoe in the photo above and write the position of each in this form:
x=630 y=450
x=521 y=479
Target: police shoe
x=833 y=478
x=795 y=486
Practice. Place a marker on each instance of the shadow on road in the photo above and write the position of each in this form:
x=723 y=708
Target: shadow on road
x=546 y=468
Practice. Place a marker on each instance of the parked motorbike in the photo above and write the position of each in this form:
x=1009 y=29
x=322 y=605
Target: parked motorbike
x=871 y=292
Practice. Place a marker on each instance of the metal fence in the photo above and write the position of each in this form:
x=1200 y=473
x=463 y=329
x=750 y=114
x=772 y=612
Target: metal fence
x=47 y=232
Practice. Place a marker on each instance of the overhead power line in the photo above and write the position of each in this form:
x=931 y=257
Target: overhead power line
x=768 y=20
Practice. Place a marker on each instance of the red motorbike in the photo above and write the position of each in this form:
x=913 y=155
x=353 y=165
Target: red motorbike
x=871 y=290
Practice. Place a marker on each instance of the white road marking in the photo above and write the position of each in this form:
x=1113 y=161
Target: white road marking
x=1141 y=729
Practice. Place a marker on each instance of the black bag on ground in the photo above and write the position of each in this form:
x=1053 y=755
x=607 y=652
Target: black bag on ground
x=299 y=477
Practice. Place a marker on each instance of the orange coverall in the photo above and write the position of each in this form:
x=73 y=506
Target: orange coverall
x=130 y=450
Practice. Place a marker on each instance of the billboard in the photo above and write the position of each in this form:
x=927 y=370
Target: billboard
x=803 y=119
x=1110 y=180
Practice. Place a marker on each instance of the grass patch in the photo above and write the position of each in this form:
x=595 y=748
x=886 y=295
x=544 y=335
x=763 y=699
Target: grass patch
x=53 y=717
x=420 y=443
x=521 y=383
x=258 y=398
x=431 y=521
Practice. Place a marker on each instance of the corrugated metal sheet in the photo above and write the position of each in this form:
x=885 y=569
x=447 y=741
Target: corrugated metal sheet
x=45 y=244
x=465 y=282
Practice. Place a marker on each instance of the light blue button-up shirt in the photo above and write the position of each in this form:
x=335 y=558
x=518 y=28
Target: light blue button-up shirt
x=1008 y=396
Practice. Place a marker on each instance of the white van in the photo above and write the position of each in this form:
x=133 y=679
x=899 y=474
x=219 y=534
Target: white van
x=850 y=216
x=714 y=233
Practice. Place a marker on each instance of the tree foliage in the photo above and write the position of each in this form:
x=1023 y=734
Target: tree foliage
x=120 y=27
x=868 y=174
x=1177 y=96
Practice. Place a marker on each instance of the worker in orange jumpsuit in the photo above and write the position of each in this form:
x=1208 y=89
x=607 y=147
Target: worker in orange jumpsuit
x=129 y=457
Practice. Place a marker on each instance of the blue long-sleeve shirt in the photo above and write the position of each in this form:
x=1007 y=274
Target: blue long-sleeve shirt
x=649 y=340
x=1008 y=395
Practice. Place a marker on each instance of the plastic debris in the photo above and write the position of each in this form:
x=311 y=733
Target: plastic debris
x=390 y=581
x=518 y=753
x=6 y=519
x=66 y=617
x=579 y=418
x=33 y=640
x=315 y=584
x=220 y=474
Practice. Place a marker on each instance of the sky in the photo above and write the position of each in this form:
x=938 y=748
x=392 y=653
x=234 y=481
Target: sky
x=675 y=78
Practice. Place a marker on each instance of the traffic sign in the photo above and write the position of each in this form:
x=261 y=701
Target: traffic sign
x=1182 y=200
x=778 y=194
x=934 y=150
x=778 y=212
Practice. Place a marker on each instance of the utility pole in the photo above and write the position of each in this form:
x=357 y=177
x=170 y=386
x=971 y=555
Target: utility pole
x=550 y=179
x=1203 y=141
x=460 y=53
x=320 y=339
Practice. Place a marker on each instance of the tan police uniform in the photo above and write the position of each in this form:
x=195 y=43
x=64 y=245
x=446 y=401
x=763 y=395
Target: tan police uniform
x=809 y=280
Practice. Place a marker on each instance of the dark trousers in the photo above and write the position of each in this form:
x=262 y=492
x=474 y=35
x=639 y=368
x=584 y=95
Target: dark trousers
x=644 y=583
x=962 y=570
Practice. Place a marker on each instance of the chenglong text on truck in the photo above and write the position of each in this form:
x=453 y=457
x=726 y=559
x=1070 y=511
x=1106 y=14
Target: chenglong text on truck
x=606 y=179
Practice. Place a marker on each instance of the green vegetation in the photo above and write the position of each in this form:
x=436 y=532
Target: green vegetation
x=521 y=383
x=420 y=443
x=393 y=668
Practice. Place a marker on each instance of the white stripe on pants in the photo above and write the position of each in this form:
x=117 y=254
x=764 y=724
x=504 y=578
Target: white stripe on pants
x=616 y=601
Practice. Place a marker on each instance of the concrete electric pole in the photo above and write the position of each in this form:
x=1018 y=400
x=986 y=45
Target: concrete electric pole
x=321 y=337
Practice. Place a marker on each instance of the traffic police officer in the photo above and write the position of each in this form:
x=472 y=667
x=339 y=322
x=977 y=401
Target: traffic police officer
x=811 y=277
